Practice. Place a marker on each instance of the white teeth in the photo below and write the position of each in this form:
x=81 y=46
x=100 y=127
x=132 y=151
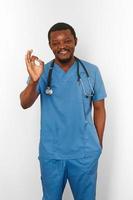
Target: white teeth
x=63 y=52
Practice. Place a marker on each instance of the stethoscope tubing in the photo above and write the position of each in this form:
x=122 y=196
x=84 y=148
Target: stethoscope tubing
x=49 y=90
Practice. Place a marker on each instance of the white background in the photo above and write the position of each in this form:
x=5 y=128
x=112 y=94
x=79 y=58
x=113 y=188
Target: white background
x=105 y=35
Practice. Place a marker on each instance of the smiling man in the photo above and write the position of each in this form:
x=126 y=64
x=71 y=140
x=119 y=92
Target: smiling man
x=70 y=140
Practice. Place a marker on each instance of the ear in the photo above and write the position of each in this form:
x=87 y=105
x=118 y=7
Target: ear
x=76 y=40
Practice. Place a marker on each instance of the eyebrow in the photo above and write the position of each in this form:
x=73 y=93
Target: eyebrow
x=55 y=40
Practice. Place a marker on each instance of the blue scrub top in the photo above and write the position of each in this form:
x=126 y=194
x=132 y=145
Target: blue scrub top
x=67 y=129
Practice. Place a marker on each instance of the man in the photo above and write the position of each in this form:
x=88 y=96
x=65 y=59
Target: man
x=70 y=141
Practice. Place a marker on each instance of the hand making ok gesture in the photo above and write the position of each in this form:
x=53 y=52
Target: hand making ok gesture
x=35 y=66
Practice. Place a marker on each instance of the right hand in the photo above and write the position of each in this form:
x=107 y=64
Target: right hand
x=34 y=70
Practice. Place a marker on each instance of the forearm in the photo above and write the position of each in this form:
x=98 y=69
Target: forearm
x=99 y=121
x=29 y=95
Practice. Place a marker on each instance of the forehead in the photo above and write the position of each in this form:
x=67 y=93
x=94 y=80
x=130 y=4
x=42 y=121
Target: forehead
x=60 y=34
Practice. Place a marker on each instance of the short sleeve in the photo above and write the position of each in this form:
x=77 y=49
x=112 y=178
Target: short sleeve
x=99 y=88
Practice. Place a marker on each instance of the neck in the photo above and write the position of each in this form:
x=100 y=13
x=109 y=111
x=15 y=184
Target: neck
x=67 y=65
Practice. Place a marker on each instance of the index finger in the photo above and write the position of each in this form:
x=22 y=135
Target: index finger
x=29 y=52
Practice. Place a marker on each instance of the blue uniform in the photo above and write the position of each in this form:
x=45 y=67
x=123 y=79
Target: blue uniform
x=69 y=147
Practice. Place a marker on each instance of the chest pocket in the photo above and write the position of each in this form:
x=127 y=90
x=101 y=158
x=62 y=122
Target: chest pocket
x=87 y=92
x=87 y=84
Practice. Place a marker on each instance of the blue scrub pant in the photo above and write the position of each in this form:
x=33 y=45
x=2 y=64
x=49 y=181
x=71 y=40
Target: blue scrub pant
x=81 y=174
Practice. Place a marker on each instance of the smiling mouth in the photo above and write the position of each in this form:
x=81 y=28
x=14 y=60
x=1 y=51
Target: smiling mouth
x=63 y=52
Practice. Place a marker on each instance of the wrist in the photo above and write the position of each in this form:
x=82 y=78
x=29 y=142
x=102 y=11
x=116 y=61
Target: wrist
x=32 y=81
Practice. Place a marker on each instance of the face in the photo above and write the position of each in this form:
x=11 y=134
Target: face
x=62 y=43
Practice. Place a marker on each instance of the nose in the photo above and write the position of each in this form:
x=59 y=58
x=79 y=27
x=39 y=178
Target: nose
x=61 y=45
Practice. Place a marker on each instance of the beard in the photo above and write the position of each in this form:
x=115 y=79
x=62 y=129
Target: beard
x=65 y=60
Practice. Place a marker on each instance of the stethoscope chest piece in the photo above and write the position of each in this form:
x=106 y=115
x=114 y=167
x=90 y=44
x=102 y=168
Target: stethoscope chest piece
x=49 y=91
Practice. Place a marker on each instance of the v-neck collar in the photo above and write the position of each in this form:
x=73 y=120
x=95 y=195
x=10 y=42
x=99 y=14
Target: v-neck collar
x=61 y=69
x=62 y=74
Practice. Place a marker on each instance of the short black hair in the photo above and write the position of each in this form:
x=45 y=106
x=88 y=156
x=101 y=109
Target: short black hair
x=61 y=26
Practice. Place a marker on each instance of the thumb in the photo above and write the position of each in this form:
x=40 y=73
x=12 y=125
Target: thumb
x=40 y=61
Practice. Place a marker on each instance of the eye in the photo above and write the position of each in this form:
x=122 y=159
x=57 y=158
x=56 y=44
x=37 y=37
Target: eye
x=54 y=43
x=68 y=41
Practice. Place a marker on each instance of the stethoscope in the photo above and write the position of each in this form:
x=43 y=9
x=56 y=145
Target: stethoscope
x=49 y=90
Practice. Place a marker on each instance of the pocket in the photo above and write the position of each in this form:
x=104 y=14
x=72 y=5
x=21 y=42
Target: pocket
x=93 y=139
x=87 y=84
x=86 y=107
x=46 y=142
x=86 y=101
x=48 y=168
